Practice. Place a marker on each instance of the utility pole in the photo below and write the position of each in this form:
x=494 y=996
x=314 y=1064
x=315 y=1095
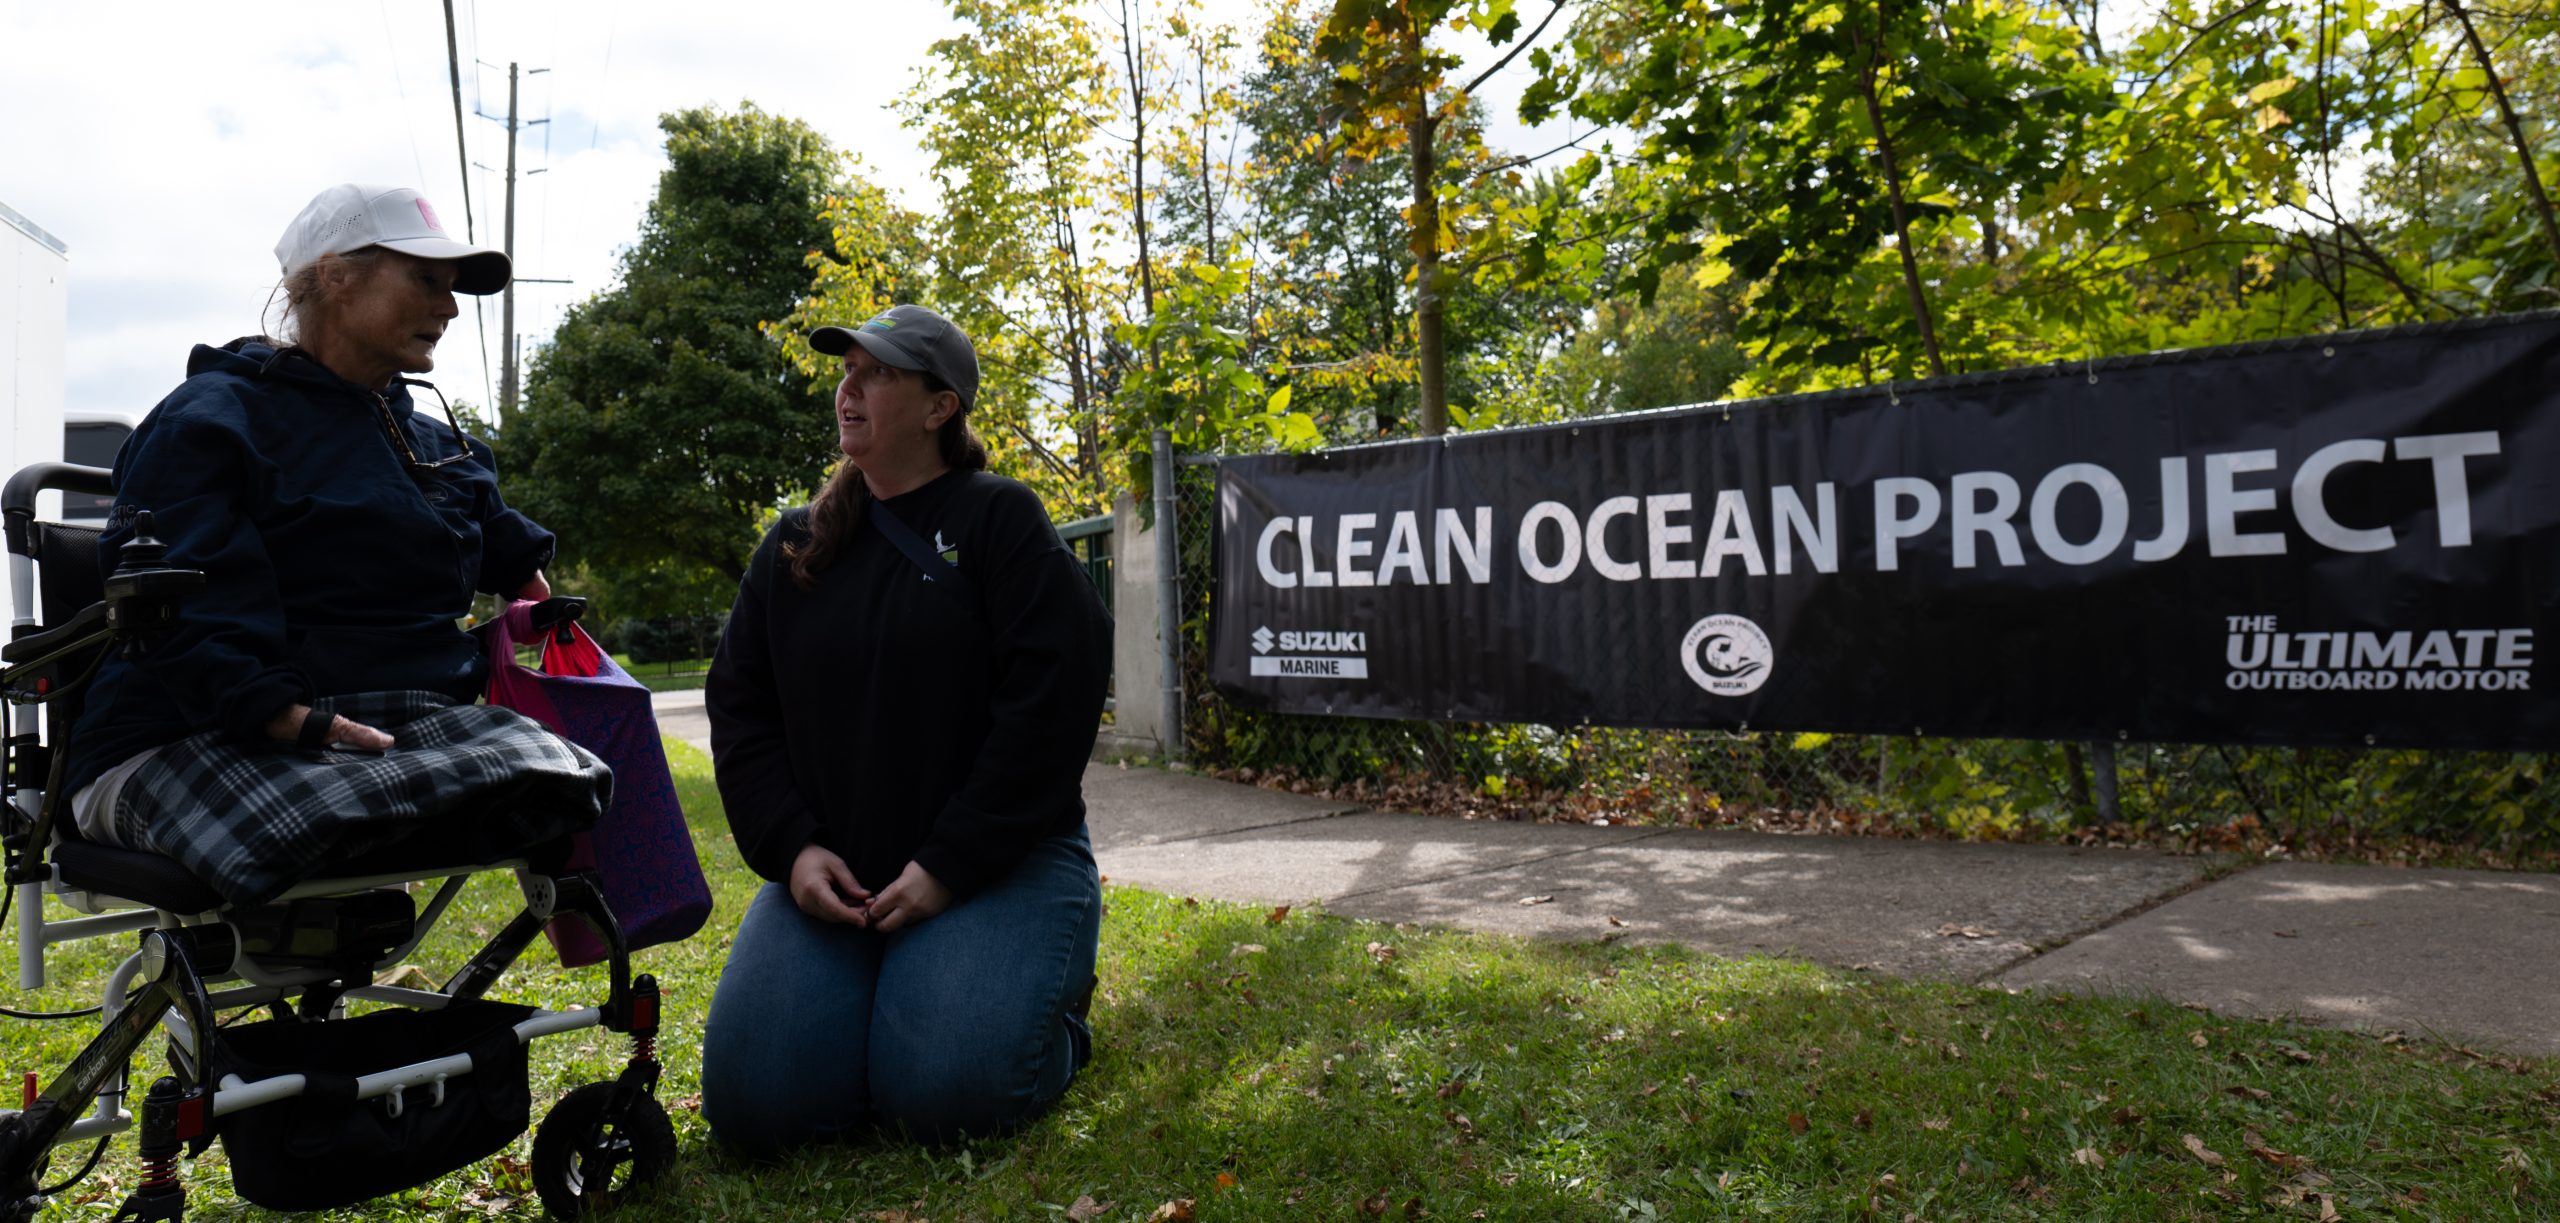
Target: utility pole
x=507 y=310
x=507 y=313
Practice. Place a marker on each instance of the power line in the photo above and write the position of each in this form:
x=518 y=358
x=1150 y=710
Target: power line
x=461 y=142
x=391 y=44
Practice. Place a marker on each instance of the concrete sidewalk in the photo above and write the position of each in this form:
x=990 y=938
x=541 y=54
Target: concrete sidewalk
x=2473 y=956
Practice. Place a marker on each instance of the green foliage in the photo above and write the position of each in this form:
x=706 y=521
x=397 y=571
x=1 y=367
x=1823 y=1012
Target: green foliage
x=1011 y=112
x=662 y=422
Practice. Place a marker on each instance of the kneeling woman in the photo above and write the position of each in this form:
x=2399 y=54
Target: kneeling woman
x=900 y=729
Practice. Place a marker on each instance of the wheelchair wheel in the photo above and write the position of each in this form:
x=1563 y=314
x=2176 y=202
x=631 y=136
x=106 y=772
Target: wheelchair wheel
x=584 y=1165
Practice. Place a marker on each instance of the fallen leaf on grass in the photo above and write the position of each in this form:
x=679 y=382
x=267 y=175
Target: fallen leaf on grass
x=1526 y=900
x=1933 y=1123
x=2126 y=1116
x=1246 y=949
x=1865 y=1119
x=2244 y=1091
x=1176 y=1211
x=2274 y=1157
x=1085 y=1209
x=2088 y=1157
x=1382 y=952
x=2199 y=1039
x=1615 y=922
x=1226 y=1181
x=1798 y=1123
x=1276 y=916
x=2195 y=1146
x=1375 y=1205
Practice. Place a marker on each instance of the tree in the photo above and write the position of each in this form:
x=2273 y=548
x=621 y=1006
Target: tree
x=1824 y=149
x=1390 y=86
x=661 y=423
x=1010 y=112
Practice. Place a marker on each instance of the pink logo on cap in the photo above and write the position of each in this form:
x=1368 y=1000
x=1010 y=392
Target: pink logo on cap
x=430 y=215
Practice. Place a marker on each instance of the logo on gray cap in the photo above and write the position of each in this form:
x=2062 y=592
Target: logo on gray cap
x=910 y=337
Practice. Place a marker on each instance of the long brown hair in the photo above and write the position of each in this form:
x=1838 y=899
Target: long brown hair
x=836 y=514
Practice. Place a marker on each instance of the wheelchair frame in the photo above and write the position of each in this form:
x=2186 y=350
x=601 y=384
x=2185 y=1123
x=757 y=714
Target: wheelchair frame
x=596 y=1134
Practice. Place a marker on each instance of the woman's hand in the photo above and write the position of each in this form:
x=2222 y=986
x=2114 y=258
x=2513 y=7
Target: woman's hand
x=535 y=589
x=824 y=888
x=286 y=727
x=915 y=896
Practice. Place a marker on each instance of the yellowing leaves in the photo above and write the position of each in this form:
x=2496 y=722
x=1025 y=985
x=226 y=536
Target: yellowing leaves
x=1822 y=18
x=2277 y=88
x=2269 y=118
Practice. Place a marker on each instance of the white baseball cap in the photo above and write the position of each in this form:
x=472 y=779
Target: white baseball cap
x=352 y=216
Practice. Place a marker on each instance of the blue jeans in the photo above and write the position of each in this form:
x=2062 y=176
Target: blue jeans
x=966 y=1024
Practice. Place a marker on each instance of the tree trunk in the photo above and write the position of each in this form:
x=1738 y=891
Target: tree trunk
x=1893 y=192
x=1421 y=131
x=1429 y=343
x=1208 y=203
x=1138 y=155
x=2515 y=127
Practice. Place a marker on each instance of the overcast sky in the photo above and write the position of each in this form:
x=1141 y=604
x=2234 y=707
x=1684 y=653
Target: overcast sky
x=167 y=144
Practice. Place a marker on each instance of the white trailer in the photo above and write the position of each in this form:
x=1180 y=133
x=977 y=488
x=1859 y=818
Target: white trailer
x=35 y=276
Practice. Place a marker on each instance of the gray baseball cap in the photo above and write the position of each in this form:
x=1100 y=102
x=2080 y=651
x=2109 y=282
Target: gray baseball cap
x=910 y=337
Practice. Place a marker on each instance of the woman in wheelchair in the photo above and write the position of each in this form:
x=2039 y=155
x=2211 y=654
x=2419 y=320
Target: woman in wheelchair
x=275 y=726
x=315 y=699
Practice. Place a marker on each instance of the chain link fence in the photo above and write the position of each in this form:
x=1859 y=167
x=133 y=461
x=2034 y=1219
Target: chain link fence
x=2336 y=798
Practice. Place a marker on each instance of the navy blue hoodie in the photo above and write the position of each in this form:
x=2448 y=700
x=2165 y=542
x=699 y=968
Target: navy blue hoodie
x=331 y=567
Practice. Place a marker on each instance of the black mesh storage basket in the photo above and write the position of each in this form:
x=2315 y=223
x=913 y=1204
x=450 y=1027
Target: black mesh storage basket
x=325 y=1148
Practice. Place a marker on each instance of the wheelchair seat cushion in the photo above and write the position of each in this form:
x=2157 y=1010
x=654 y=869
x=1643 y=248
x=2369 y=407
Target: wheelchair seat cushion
x=147 y=878
x=250 y=821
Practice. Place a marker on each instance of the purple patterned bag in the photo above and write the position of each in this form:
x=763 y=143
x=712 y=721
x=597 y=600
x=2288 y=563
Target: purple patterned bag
x=641 y=851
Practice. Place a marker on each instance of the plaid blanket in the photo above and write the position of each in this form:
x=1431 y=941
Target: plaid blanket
x=252 y=821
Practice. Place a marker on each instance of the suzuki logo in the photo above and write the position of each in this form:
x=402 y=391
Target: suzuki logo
x=1262 y=640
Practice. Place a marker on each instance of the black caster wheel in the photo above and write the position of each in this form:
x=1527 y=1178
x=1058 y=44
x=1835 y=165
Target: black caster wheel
x=585 y=1166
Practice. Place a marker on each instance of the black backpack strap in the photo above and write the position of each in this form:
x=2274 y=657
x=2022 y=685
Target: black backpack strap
x=904 y=537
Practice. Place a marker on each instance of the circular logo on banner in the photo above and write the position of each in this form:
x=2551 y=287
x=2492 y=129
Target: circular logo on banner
x=1727 y=655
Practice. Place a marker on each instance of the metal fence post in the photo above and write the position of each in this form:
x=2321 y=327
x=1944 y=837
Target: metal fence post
x=1168 y=597
x=2103 y=756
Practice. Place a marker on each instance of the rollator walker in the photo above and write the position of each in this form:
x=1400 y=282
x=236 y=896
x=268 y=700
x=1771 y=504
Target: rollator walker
x=315 y=1108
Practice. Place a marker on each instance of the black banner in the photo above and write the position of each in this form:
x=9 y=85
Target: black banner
x=2343 y=540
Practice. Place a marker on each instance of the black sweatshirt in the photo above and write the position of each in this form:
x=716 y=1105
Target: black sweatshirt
x=891 y=718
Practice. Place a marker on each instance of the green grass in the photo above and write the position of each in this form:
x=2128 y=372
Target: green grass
x=672 y=676
x=1315 y=1068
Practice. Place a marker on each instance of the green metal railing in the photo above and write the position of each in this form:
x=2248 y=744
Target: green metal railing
x=1090 y=540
